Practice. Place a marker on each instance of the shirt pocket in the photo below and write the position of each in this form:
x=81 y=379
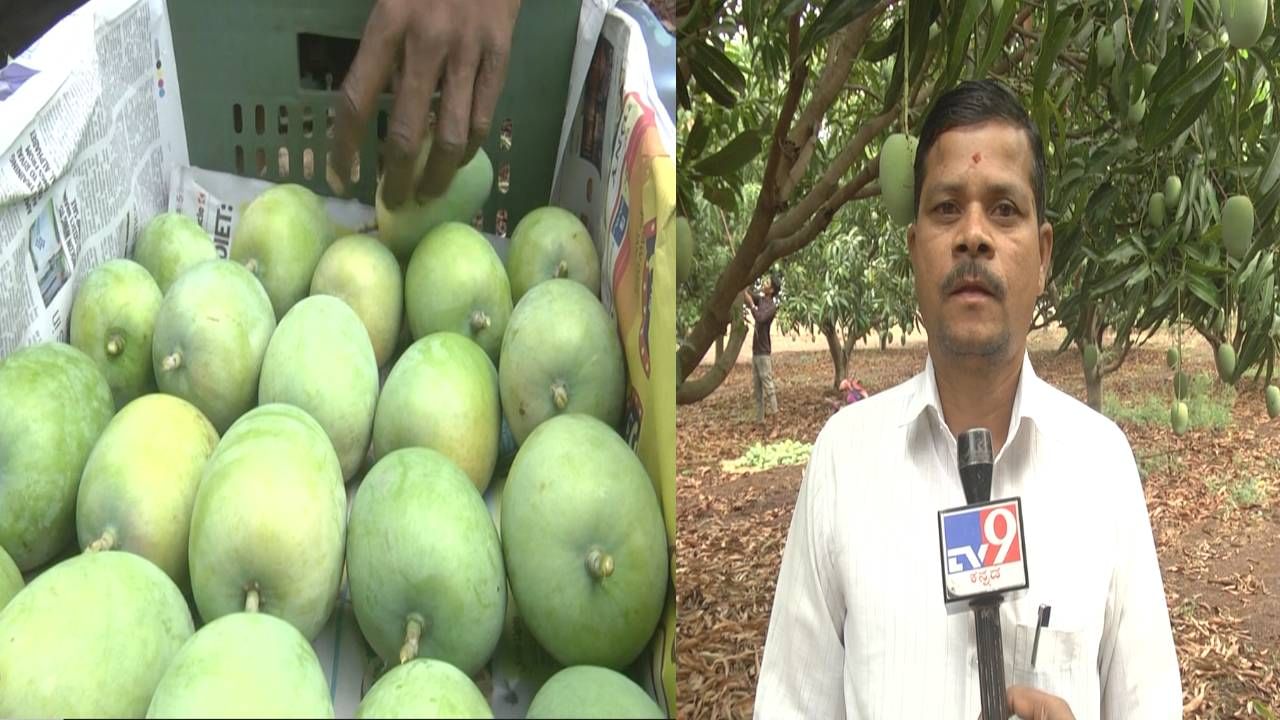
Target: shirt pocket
x=1061 y=665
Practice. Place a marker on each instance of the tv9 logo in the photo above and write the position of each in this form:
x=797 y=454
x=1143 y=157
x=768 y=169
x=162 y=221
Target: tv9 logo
x=982 y=549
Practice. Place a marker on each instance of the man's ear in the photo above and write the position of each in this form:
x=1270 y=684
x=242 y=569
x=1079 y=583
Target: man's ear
x=1046 y=254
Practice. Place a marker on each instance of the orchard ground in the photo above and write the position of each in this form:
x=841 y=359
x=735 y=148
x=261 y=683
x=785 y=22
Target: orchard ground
x=1213 y=495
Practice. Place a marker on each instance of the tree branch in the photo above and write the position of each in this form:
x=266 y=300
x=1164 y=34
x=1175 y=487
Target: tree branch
x=794 y=219
x=782 y=247
x=691 y=391
x=733 y=279
x=799 y=167
x=836 y=73
x=1116 y=361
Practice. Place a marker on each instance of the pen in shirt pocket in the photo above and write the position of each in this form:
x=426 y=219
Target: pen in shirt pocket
x=1042 y=620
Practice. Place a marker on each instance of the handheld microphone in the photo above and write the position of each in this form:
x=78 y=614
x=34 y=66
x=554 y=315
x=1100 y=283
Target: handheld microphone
x=983 y=556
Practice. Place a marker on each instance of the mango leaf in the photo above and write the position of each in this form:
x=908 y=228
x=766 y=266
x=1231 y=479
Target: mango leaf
x=684 y=197
x=996 y=40
x=1172 y=67
x=1203 y=290
x=1124 y=253
x=712 y=85
x=875 y=51
x=733 y=156
x=1188 y=11
x=923 y=13
x=1157 y=132
x=722 y=66
x=696 y=142
x=835 y=15
x=790 y=8
x=1271 y=172
x=1052 y=45
x=1200 y=76
x=1099 y=205
x=1255 y=344
x=1143 y=25
x=1166 y=294
x=1141 y=275
x=960 y=37
x=1265 y=209
x=1113 y=282
x=721 y=197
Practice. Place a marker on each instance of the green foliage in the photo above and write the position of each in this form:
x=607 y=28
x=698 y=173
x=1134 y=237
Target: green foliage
x=857 y=279
x=1160 y=462
x=1209 y=406
x=763 y=457
x=1210 y=120
x=1241 y=492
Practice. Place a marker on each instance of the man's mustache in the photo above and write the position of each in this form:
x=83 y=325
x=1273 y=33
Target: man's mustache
x=973 y=270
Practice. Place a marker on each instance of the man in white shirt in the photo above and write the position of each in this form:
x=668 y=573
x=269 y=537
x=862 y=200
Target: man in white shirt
x=859 y=627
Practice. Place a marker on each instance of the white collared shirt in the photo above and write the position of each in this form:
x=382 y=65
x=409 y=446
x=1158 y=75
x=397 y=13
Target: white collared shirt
x=859 y=628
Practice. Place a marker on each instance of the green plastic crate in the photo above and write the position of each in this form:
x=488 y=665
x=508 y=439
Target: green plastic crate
x=248 y=109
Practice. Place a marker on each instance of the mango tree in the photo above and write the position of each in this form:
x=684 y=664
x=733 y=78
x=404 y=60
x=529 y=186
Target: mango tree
x=1125 y=96
x=850 y=282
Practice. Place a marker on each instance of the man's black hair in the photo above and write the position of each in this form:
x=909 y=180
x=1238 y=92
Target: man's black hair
x=776 y=281
x=974 y=102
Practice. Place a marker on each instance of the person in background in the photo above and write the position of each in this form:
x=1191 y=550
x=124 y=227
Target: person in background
x=760 y=311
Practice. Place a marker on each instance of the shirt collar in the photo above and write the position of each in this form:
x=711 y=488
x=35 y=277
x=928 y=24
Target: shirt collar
x=1027 y=401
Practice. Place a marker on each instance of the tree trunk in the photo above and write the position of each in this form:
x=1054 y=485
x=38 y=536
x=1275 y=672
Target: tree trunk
x=1093 y=384
x=695 y=389
x=1092 y=380
x=839 y=360
x=719 y=347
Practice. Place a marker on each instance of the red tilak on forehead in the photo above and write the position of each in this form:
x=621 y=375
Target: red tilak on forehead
x=977 y=158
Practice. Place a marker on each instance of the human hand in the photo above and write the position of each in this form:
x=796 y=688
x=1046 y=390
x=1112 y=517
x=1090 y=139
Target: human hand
x=1031 y=704
x=462 y=45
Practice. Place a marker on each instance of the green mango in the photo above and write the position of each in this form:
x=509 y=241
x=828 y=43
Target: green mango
x=1178 y=418
x=551 y=242
x=586 y=691
x=170 y=244
x=140 y=482
x=363 y=273
x=113 y=321
x=54 y=404
x=1155 y=210
x=90 y=636
x=1181 y=385
x=1244 y=20
x=1273 y=401
x=424 y=688
x=425 y=563
x=320 y=359
x=584 y=542
x=269 y=521
x=1226 y=359
x=1237 y=224
x=246 y=664
x=280 y=237
x=561 y=354
x=897 y=177
x=456 y=282
x=1172 y=191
